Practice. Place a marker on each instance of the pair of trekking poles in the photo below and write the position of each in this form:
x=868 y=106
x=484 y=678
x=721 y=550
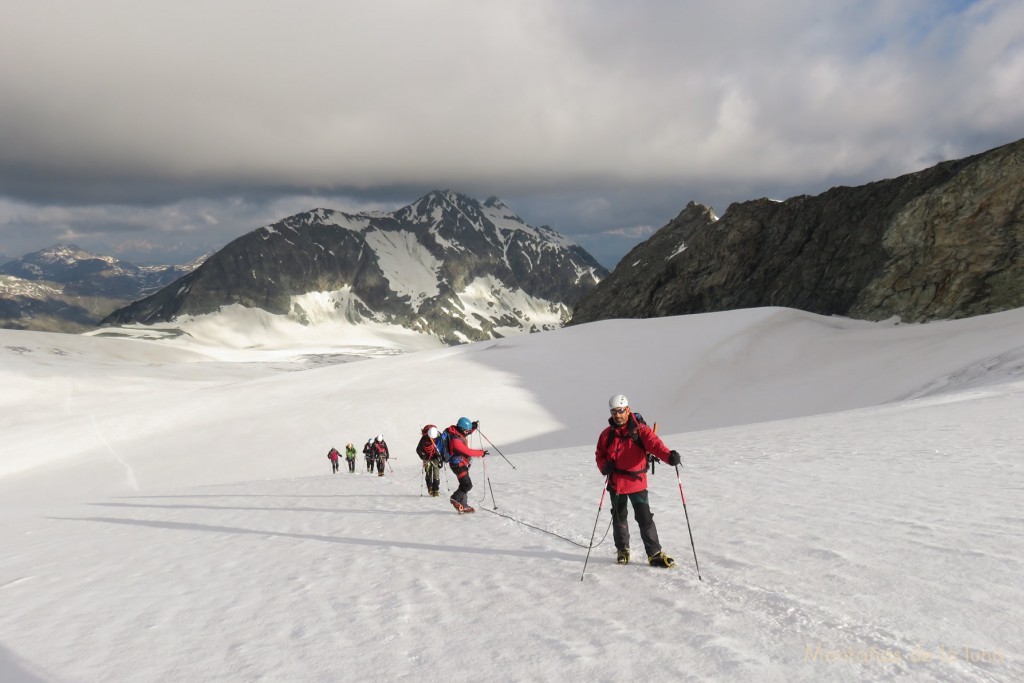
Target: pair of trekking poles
x=685 y=512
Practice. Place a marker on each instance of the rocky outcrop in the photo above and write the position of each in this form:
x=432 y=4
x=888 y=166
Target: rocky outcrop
x=946 y=242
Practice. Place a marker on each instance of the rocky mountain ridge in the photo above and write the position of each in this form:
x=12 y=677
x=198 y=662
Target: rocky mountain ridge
x=946 y=242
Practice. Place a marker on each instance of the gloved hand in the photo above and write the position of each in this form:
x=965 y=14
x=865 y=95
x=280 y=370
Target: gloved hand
x=485 y=453
x=607 y=469
x=673 y=458
x=476 y=423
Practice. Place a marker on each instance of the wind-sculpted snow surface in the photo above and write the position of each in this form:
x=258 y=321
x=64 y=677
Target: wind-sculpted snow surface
x=191 y=529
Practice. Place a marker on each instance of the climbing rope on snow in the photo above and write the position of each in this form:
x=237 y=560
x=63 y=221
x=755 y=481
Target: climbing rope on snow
x=552 y=533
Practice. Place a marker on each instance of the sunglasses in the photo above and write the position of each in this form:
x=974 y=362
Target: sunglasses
x=619 y=411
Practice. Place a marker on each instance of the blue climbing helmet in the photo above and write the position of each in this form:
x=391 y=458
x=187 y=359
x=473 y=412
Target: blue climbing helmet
x=465 y=424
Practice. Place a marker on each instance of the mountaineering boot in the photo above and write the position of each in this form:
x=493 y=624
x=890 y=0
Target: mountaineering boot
x=622 y=556
x=660 y=559
x=459 y=507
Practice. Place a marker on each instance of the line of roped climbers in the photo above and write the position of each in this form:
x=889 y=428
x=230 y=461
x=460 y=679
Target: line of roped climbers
x=626 y=449
x=375 y=451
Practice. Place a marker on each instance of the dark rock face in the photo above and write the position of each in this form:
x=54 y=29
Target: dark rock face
x=421 y=267
x=943 y=243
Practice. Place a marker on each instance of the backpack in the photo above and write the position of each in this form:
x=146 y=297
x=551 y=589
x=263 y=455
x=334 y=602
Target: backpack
x=424 y=441
x=442 y=447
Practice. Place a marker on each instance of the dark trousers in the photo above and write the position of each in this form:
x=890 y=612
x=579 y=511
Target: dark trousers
x=380 y=464
x=334 y=465
x=352 y=465
x=644 y=519
x=432 y=475
x=461 y=494
x=369 y=464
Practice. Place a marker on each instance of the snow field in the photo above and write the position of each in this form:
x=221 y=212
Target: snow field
x=175 y=518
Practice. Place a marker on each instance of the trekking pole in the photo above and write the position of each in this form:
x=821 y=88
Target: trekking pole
x=488 y=478
x=423 y=478
x=594 y=532
x=688 y=529
x=496 y=448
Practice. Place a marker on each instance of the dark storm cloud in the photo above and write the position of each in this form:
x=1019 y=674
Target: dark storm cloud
x=195 y=122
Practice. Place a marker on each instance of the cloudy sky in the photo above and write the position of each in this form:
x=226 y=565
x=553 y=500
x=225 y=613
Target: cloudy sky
x=161 y=130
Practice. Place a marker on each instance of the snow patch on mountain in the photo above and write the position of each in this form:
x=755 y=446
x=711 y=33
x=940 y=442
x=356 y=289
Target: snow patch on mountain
x=410 y=269
x=11 y=286
x=317 y=308
x=347 y=221
x=488 y=299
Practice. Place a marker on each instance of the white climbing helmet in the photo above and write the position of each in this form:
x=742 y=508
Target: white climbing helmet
x=380 y=437
x=433 y=433
x=618 y=401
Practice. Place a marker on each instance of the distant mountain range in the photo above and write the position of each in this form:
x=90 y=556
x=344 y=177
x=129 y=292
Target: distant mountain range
x=67 y=289
x=946 y=242
x=446 y=265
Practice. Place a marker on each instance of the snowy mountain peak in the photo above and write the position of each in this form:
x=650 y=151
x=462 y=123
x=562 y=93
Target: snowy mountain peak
x=445 y=265
x=65 y=254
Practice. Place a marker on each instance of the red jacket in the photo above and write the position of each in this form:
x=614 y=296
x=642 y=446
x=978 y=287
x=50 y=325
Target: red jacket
x=459 y=450
x=616 y=446
x=333 y=455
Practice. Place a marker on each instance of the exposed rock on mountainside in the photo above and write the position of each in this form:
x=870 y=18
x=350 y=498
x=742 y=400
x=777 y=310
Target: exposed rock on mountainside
x=946 y=242
x=446 y=265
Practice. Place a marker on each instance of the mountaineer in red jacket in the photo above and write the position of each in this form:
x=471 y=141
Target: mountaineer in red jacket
x=621 y=456
x=460 y=459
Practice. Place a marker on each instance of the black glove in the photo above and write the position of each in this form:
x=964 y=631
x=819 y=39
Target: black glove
x=485 y=453
x=673 y=458
x=476 y=423
x=608 y=469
